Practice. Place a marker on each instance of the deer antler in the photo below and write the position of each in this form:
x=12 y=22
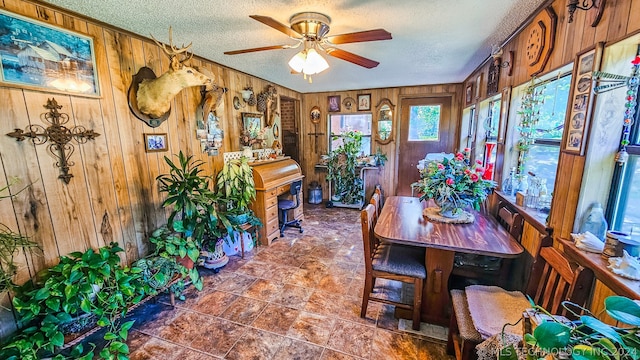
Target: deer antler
x=173 y=51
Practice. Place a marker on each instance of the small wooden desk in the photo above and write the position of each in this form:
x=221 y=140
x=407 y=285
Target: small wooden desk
x=401 y=221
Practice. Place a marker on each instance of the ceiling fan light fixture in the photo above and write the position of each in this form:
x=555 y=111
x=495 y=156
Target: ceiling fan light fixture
x=297 y=61
x=315 y=63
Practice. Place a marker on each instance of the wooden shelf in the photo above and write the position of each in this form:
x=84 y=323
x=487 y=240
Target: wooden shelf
x=534 y=217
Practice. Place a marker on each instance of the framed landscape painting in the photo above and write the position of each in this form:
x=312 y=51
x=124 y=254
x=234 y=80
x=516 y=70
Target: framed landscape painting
x=39 y=56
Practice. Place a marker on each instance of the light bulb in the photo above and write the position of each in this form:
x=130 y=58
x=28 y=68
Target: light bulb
x=298 y=61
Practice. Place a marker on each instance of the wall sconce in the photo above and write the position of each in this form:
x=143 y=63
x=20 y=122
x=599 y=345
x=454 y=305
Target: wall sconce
x=496 y=54
x=586 y=5
x=247 y=96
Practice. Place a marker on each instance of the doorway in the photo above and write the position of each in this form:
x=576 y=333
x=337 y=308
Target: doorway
x=426 y=126
x=289 y=122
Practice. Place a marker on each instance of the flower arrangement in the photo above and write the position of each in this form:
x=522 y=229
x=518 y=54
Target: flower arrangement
x=246 y=138
x=453 y=183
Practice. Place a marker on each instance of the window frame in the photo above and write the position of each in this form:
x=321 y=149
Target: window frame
x=332 y=134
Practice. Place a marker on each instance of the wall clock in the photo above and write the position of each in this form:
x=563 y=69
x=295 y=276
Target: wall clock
x=540 y=39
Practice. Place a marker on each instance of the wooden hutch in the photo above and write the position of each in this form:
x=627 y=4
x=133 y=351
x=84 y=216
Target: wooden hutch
x=273 y=178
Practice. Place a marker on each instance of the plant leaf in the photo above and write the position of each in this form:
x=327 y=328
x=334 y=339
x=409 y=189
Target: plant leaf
x=552 y=335
x=623 y=309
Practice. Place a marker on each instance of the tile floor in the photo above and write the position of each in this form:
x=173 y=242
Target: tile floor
x=299 y=298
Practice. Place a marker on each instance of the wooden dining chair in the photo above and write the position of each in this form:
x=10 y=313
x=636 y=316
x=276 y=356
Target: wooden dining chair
x=553 y=281
x=375 y=201
x=490 y=270
x=378 y=190
x=393 y=262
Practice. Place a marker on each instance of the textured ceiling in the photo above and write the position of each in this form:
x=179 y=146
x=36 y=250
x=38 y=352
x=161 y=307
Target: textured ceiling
x=434 y=41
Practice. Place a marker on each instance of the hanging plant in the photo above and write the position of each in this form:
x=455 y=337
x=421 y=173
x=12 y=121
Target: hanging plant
x=529 y=113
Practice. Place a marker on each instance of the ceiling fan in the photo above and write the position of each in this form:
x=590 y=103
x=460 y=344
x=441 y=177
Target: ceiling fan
x=310 y=30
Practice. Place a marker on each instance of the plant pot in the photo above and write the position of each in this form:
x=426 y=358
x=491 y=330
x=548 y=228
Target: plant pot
x=217 y=258
x=247 y=152
x=185 y=261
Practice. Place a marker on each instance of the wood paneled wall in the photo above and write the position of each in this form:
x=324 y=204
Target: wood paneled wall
x=113 y=195
x=620 y=18
x=386 y=176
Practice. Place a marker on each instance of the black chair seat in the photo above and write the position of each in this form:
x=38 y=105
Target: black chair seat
x=402 y=260
x=286 y=204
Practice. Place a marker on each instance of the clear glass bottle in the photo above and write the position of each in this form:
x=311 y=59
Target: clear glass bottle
x=594 y=222
x=509 y=183
x=542 y=193
x=524 y=184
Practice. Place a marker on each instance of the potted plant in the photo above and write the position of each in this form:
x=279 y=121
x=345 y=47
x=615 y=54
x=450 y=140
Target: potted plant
x=236 y=190
x=586 y=338
x=182 y=251
x=342 y=169
x=82 y=290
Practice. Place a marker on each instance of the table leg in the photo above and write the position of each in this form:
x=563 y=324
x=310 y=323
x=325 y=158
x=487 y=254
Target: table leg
x=435 y=296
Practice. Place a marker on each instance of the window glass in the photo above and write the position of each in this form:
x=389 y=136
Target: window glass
x=341 y=123
x=424 y=123
x=542 y=159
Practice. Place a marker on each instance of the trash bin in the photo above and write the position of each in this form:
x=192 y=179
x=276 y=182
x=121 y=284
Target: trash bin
x=315 y=193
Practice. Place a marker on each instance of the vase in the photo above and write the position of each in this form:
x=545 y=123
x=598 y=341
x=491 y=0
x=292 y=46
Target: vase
x=247 y=152
x=449 y=210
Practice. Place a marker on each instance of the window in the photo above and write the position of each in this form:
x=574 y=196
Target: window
x=624 y=213
x=424 y=123
x=341 y=123
x=542 y=159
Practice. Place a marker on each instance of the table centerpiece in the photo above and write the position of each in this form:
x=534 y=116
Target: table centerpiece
x=454 y=184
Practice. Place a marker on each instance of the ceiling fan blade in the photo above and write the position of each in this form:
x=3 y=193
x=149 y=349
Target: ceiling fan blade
x=276 y=25
x=353 y=58
x=369 y=35
x=244 y=51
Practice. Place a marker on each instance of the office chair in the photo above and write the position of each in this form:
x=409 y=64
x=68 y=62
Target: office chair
x=284 y=205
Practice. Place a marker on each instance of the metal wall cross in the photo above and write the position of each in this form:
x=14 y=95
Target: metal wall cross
x=58 y=135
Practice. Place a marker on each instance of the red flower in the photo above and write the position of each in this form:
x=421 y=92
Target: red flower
x=467 y=150
x=459 y=156
x=467 y=171
x=478 y=162
x=636 y=61
x=440 y=166
x=479 y=170
x=474 y=177
x=449 y=181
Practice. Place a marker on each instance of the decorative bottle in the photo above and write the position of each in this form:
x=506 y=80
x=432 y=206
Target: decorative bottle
x=509 y=183
x=594 y=222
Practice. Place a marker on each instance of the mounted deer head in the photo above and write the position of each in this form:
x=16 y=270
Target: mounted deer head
x=150 y=96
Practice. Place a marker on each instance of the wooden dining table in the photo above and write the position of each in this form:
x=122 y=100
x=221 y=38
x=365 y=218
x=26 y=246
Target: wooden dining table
x=401 y=221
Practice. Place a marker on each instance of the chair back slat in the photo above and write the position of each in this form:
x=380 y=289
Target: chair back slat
x=367 y=216
x=378 y=191
x=557 y=281
x=510 y=220
x=375 y=201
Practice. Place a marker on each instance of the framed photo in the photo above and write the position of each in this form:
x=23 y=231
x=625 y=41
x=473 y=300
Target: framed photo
x=478 y=84
x=364 y=102
x=334 y=103
x=581 y=100
x=468 y=94
x=252 y=122
x=38 y=56
x=155 y=142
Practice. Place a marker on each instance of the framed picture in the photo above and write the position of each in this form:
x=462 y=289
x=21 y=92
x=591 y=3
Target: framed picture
x=581 y=100
x=478 y=84
x=39 y=56
x=364 y=102
x=334 y=103
x=468 y=94
x=252 y=122
x=155 y=142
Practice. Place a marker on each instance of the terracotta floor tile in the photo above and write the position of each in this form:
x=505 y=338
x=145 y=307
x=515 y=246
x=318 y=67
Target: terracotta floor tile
x=312 y=328
x=254 y=268
x=293 y=349
x=244 y=310
x=324 y=303
x=334 y=284
x=305 y=278
x=236 y=284
x=264 y=290
x=214 y=303
x=293 y=296
x=255 y=345
x=276 y=318
x=389 y=345
x=185 y=328
x=219 y=337
x=351 y=338
x=329 y=354
x=155 y=349
x=188 y=354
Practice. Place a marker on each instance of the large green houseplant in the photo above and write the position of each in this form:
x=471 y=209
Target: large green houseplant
x=83 y=289
x=586 y=338
x=236 y=190
x=342 y=168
